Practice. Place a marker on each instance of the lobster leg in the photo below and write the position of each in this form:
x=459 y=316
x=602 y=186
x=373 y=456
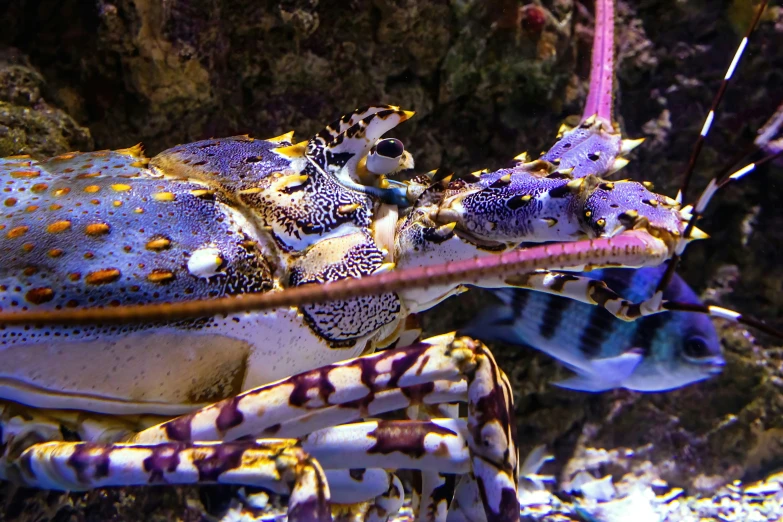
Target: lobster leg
x=595 y=292
x=366 y=385
x=587 y=290
x=440 y=444
x=433 y=490
x=280 y=466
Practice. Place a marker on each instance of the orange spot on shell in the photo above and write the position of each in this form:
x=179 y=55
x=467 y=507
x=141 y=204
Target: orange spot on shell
x=25 y=174
x=39 y=187
x=17 y=232
x=28 y=247
x=160 y=276
x=74 y=276
x=102 y=277
x=88 y=174
x=55 y=252
x=31 y=208
x=30 y=270
x=120 y=187
x=62 y=191
x=39 y=295
x=97 y=229
x=158 y=243
x=55 y=206
x=92 y=189
x=164 y=196
x=63 y=157
x=10 y=202
x=117 y=203
x=58 y=226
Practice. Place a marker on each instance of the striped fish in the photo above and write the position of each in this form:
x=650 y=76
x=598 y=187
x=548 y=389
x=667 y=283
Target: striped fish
x=656 y=353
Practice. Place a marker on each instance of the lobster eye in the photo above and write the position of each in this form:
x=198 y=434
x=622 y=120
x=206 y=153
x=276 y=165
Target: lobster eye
x=386 y=156
x=389 y=148
x=696 y=348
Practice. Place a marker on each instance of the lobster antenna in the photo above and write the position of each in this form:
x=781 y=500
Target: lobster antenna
x=713 y=186
x=705 y=129
x=599 y=96
x=723 y=313
x=632 y=248
x=698 y=211
x=714 y=311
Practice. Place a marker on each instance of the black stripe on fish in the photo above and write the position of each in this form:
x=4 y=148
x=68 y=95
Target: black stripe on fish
x=646 y=329
x=553 y=316
x=596 y=331
x=519 y=302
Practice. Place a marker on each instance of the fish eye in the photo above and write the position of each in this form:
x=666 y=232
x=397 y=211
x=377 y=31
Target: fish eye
x=389 y=148
x=696 y=348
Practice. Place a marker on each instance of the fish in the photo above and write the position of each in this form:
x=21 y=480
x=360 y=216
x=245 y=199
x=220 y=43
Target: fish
x=655 y=353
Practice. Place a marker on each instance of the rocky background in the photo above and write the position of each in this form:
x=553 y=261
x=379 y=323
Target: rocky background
x=488 y=79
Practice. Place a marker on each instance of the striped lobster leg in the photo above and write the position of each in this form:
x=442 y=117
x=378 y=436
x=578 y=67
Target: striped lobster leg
x=587 y=290
x=280 y=466
x=433 y=490
x=188 y=449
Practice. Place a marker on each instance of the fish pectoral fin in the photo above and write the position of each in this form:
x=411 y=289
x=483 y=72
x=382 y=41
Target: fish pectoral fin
x=617 y=368
x=603 y=374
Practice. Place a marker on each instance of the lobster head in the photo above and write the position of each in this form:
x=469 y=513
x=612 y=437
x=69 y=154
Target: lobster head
x=501 y=209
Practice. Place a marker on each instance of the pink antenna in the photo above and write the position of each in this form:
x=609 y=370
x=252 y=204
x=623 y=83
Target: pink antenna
x=599 y=98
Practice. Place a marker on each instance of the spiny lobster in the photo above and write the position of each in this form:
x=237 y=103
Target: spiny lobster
x=110 y=259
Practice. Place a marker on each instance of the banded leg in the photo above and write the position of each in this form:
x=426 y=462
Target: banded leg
x=597 y=293
x=365 y=386
x=280 y=466
x=434 y=493
x=433 y=490
x=434 y=447
x=588 y=291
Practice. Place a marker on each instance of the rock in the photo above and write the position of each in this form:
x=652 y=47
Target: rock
x=28 y=123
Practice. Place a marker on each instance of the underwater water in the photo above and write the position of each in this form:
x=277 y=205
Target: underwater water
x=487 y=79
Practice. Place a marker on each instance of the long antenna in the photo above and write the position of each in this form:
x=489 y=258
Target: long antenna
x=699 y=208
x=635 y=248
x=599 y=97
x=705 y=129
